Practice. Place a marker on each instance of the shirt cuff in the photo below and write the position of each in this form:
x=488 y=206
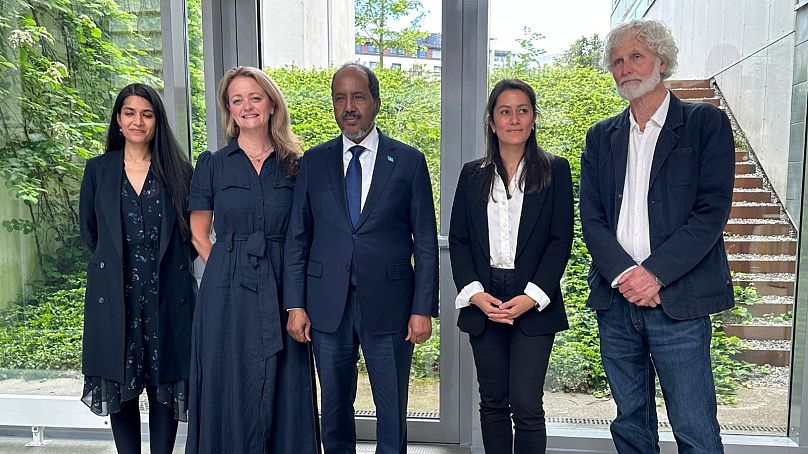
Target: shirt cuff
x=294 y=309
x=619 y=276
x=532 y=290
x=465 y=295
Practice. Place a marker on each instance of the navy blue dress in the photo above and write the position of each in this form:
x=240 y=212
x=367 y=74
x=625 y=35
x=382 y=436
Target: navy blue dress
x=141 y=220
x=251 y=385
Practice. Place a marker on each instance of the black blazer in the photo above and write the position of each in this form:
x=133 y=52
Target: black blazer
x=543 y=246
x=397 y=225
x=689 y=199
x=104 y=308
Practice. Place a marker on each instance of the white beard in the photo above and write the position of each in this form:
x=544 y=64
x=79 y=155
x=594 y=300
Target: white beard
x=634 y=91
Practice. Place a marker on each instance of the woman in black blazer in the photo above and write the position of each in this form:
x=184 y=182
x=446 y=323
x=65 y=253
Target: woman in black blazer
x=140 y=287
x=509 y=239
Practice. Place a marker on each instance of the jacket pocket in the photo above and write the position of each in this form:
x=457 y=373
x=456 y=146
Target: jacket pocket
x=398 y=271
x=682 y=167
x=314 y=269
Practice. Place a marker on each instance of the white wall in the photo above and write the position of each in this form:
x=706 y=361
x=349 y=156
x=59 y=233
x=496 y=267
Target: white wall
x=307 y=33
x=748 y=46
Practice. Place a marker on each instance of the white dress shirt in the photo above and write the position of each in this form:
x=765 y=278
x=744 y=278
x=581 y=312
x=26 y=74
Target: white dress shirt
x=633 y=231
x=367 y=160
x=504 y=215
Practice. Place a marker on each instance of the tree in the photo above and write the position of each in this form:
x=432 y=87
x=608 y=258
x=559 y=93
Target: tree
x=374 y=23
x=59 y=72
x=531 y=53
x=585 y=51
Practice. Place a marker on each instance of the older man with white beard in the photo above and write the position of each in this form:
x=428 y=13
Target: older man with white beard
x=656 y=191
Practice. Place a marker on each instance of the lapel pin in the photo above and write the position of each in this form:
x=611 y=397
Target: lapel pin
x=390 y=158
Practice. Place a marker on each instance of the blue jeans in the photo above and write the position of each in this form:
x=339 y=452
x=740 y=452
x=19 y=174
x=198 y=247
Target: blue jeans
x=636 y=344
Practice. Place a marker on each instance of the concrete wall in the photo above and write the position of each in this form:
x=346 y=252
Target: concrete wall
x=748 y=46
x=307 y=33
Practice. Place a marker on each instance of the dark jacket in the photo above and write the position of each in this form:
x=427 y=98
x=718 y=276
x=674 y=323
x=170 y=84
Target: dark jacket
x=104 y=307
x=542 y=247
x=689 y=199
x=397 y=225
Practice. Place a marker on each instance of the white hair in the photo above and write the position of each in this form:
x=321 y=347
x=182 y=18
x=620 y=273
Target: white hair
x=656 y=36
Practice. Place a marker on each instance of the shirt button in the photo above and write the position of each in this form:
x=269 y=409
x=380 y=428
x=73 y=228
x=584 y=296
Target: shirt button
x=101 y=300
x=260 y=198
x=183 y=267
x=244 y=183
x=102 y=265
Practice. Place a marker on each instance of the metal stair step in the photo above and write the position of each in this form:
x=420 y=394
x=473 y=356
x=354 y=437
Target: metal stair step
x=749 y=182
x=757 y=227
x=754 y=210
x=752 y=263
x=759 y=332
x=770 y=357
x=761 y=196
x=761 y=245
x=714 y=101
x=687 y=83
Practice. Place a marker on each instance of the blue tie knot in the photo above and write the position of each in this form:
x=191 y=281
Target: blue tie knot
x=356 y=150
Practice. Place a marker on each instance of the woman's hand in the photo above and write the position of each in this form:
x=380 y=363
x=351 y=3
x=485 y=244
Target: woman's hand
x=490 y=307
x=517 y=306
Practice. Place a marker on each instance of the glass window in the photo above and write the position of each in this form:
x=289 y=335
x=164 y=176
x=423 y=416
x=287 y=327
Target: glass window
x=63 y=64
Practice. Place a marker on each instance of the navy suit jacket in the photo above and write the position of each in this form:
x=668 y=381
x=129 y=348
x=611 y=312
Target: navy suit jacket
x=397 y=224
x=542 y=246
x=104 y=308
x=689 y=199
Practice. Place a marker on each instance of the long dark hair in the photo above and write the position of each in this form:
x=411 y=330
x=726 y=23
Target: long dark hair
x=171 y=165
x=537 y=173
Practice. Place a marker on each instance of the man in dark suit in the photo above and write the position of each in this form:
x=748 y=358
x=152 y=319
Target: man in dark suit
x=362 y=212
x=656 y=191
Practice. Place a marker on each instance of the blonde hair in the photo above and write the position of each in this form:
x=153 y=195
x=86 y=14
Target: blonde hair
x=286 y=143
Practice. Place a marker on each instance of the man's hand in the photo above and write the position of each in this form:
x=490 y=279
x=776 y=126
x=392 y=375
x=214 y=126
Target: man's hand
x=419 y=329
x=299 y=326
x=639 y=286
x=517 y=306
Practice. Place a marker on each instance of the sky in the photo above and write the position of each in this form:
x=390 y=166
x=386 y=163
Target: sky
x=560 y=21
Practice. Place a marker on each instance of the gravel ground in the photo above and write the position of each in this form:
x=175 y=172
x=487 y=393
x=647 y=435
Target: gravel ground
x=761 y=257
x=754 y=344
x=778 y=377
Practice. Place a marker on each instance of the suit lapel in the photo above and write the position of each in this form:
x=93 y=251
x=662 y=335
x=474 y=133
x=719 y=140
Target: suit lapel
x=531 y=207
x=667 y=137
x=110 y=180
x=478 y=211
x=619 y=149
x=336 y=176
x=386 y=159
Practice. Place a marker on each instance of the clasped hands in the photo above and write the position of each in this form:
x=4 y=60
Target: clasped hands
x=502 y=312
x=639 y=286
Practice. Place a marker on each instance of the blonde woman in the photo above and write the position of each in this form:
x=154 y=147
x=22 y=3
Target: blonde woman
x=251 y=387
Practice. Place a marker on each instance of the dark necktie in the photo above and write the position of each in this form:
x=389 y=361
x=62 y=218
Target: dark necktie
x=353 y=184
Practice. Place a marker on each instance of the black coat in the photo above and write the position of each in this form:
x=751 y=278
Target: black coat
x=689 y=200
x=543 y=246
x=104 y=307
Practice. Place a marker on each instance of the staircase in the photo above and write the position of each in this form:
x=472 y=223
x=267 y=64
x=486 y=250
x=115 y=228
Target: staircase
x=761 y=247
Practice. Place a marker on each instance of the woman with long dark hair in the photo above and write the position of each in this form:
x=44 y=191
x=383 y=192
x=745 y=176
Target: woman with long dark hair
x=140 y=292
x=252 y=385
x=510 y=237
